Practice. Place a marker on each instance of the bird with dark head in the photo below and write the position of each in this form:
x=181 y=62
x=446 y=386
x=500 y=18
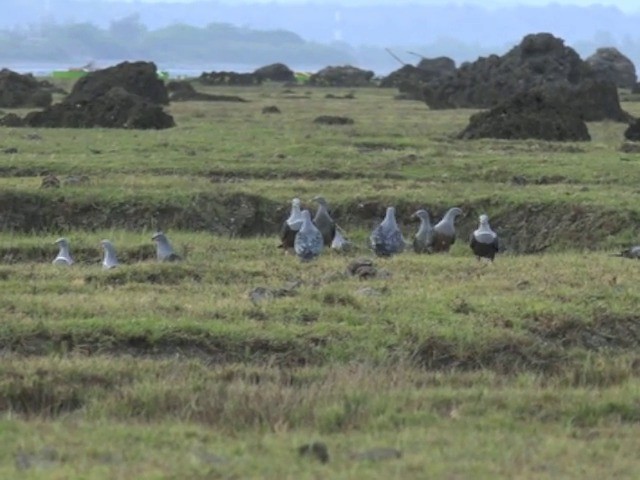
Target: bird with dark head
x=323 y=221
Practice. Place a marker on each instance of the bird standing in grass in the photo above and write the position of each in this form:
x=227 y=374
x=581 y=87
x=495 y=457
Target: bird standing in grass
x=63 y=257
x=291 y=226
x=323 y=221
x=484 y=242
x=444 y=233
x=308 y=242
x=109 y=260
x=386 y=239
x=164 y=250
x=632 y=252
x=423 y=239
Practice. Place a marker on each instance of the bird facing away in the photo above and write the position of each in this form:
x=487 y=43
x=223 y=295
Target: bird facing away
x=340 y=243
x=632 y=252
x=484 y=242
x=386 y=239
x=444 y=233
x=423 y=239
x=308 y=242
x=291 y=226
x=164 y=250
x=109 y=260
x=63 y=257
x=323 y=221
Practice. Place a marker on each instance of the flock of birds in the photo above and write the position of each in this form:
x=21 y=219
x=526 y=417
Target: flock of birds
x=164 y=252
x=307 y=237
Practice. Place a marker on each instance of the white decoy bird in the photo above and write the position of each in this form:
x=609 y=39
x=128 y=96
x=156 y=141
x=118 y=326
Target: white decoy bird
x=109 y=260
x=164 y=250
x=291 y=226
x=309 y=242
x=444 y=233
x=386 y=239
x=63 y=257
x=484 y=242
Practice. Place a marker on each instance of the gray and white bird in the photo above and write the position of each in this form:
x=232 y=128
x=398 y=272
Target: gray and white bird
x=632 y=252
x=291 y=226
x=323 y=220
x=63 y=257
x=109 y=259
x=484 y=242
x=340 y=243
x=423 y=239
x=386 y=239
x=444 y=233
x=308 y=242
x=164 y=250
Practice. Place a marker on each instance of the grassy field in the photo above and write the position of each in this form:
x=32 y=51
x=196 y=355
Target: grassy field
x=442 y=367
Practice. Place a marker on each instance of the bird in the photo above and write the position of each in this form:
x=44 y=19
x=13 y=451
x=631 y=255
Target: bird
x=109 y=260
x=164 y=250
x=323 y=221
x=484 y=242
x=291 y=226
x=340 y=243
x=308 y=242
x=444 y=233
x=386 y=239
x=423 y=239
x=632 y=252
x=63 y=257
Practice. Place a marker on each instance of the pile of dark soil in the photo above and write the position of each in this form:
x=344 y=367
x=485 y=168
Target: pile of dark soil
x=229 y=78
x=276 y=72
x=183 y=91
x=333 y=120
x=22 y=91
x=609 y=64
x=540 y=61
x=125 y=96
x=528 y=115
x=409 y=79
x=344 y=76
x=270 y=109
x=633 y=132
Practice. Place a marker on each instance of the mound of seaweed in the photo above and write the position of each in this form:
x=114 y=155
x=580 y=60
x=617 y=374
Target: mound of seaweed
x=229 y=78
x=342 y=76
x=183 y=91
x=409 y=79
x=609 y=64
x=22 y=91
x=528 y=115
x=276 y=72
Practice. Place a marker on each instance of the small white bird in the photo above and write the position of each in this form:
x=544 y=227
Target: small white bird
x=109 y=260
x=164 y=250
x=64 y=257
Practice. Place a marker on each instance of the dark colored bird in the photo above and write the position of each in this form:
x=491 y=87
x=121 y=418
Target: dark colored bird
x=444 y=233
x=323 y=221
x=632 y=252
x=484 y=242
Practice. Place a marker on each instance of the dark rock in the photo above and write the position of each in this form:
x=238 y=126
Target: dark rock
x=139 y=78
x=528 y=115
x=540 y=61
x=630 y=147
x=609 y=64
x=270 y=109
x=117 y=108
x=633 y=132
x=50 y=181
x=10 y=150
x=343 y=76
x=22 y=91
x=229 y=78
x=316 y=450
x=183 y=91
x=276 y=72
x=362 y=268
x=333 y=120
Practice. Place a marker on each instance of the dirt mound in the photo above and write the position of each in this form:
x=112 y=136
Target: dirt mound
x=117 y=108
x=138 y=78
x=633 y=132
x=408 y=79
x=276 y=72
x=22 y=91
x=333 y=120
x=344 y=76
x=528 y=115
x=229 y=78
x=540 y=61
x=183 y=91
x=609 y=64
x=270 y=109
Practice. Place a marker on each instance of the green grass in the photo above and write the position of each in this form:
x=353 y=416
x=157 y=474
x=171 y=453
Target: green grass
x=525 y=368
